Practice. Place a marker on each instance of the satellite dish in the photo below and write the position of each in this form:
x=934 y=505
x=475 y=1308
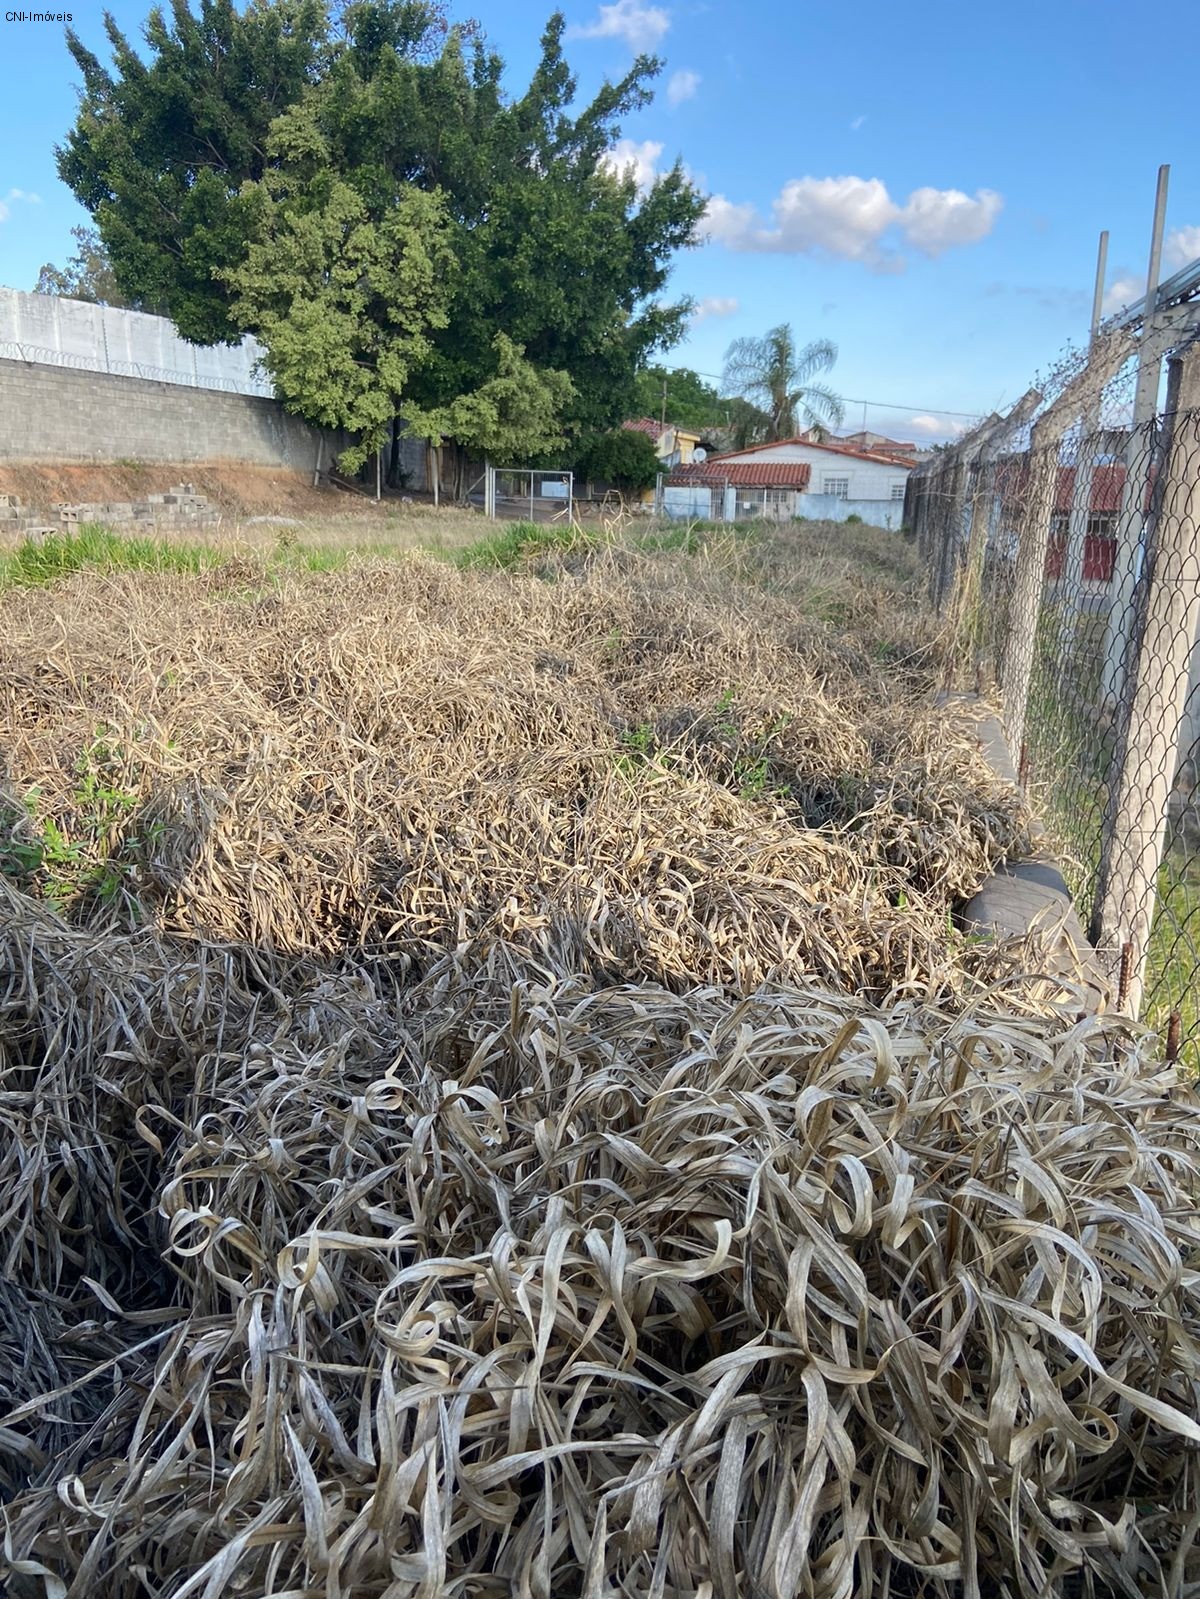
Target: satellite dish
x=699 y=454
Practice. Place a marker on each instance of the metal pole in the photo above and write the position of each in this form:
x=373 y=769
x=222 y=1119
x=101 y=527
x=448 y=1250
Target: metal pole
x=378 y=474
x=531 y=496
x=1137 y=461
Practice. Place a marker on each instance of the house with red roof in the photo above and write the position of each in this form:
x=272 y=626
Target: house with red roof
x=673 y=444
x=828 y=481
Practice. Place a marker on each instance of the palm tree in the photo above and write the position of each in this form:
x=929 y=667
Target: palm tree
x=773 y=379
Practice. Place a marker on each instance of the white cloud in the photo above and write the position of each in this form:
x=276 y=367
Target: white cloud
x=682 y=85
x=933 y=427
x=1124 y=289
x=849 y=216
x=12 y=197
x=857 y=123
x=728 y=223
x=640 y=26
x=714 y=305
x=641 y=157
x=1180 y=248
x=935 y=220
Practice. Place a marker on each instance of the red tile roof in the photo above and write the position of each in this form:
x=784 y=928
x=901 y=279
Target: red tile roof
x=719 y=470
x=833 y=449
x=646 y=425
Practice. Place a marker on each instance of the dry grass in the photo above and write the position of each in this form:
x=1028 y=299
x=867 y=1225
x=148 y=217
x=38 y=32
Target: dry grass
x=709 y=786
x=493 y=1104
x=513 y=1283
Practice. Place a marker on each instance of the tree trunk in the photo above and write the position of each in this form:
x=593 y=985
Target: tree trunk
x=393 y=476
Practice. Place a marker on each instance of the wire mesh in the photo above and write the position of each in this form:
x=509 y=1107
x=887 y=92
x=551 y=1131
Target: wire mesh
x=1065 y=553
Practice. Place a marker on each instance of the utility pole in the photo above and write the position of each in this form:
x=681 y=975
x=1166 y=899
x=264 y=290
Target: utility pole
x=663 y=421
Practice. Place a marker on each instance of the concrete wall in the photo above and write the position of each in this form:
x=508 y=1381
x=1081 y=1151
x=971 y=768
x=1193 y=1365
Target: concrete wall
x=697 y=501
x=50 y=413
x=828 y=508
x=51 y=330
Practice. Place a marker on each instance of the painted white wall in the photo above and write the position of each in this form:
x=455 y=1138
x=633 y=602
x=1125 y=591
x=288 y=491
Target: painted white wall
x=45 y=328
x=824 y=508
x=869 y=480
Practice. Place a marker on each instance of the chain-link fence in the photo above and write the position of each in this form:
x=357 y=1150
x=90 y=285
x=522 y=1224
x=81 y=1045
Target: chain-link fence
x=1063 y=541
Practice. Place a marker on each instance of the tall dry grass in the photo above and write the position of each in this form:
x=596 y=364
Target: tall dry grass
x=642 y=765
x=493 y=1103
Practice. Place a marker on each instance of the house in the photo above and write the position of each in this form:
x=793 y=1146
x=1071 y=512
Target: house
x=1103 y=514
x=880 y=444
x=726 y=490
x=674 y=444
x=791 y=477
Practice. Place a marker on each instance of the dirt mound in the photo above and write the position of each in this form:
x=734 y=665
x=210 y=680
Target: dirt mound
x=237 y=490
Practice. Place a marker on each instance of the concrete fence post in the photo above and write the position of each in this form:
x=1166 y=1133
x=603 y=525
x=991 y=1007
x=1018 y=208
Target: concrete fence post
x=1147 y=750
x=1033 y=541
x=951 y=500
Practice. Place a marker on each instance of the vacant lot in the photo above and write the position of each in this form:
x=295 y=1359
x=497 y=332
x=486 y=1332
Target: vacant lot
x=495 y=1100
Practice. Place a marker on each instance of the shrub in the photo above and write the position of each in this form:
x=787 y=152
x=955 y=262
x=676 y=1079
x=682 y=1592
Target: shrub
x=621 y=457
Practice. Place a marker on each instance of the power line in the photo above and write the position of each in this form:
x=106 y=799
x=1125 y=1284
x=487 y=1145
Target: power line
x=850 y=399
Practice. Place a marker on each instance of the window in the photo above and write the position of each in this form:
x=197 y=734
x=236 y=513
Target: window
x=897 y=491
x=839 y=487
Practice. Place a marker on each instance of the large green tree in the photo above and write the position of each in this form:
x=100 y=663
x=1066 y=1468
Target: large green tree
x=778 y=380
x=159 y=150
x=514 y=415
x=689 y=400
x=345 y=299
x=552 y=247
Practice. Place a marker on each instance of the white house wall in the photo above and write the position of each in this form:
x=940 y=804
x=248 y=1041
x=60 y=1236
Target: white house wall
x=828 y=508
x=869 y=480
x=689 y=502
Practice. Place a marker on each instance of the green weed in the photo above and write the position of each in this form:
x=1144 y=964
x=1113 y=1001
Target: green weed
x=49 y=560
x=520 y=541
x=85 y=855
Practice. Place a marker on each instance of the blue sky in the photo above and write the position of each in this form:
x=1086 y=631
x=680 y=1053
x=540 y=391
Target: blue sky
x=923 y=185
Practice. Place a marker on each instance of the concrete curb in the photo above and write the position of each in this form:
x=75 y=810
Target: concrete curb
x=1029 y=895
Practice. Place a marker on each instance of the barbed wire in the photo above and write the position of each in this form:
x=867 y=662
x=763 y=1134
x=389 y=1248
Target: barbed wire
x=39 y=355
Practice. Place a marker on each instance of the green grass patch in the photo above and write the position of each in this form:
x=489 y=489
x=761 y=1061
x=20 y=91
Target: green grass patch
x=1173 y=959
x=521 y=542
x=36 y=562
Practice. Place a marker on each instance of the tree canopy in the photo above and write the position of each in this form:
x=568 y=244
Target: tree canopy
x=621 y=456
x=775 y=380
x=222 y=170
x=690 y=401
